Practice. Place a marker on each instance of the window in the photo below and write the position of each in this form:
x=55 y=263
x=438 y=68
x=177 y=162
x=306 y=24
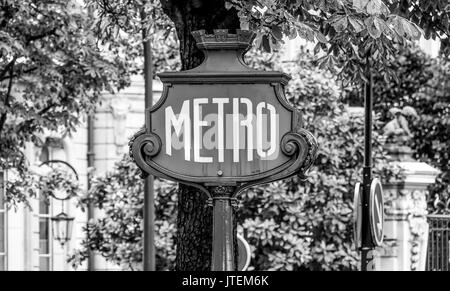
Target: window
x=45 y=234
x=45 y=240
x=3 y=227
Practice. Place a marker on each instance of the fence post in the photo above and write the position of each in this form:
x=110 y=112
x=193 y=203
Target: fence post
x=406 y=227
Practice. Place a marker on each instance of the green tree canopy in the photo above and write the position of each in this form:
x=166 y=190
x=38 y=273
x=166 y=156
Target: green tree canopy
x=51 y=74
x=348 y=33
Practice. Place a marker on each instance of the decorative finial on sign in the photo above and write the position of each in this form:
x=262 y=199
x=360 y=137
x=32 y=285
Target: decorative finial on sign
x=222 y=39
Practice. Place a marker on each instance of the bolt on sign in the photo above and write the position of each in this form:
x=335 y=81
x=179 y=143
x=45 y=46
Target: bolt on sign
x=223 y=122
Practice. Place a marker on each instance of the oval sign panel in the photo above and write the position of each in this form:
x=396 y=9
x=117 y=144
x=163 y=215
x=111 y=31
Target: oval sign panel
x=376 y=207
x=223 y=122
x=357 y=216
x=244 y=253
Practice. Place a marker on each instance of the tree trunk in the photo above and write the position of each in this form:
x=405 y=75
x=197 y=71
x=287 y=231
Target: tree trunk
x=194 y=222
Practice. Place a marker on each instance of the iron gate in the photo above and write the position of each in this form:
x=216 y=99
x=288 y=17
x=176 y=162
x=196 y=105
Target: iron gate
x=438 y=255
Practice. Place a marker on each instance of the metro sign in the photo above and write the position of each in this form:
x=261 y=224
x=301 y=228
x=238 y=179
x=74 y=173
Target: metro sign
x=223 y=122
x=193 y=130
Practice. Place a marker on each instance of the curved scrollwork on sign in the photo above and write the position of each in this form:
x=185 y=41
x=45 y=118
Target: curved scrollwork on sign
x=312 y=150
x=304 y=145
x=144 y=145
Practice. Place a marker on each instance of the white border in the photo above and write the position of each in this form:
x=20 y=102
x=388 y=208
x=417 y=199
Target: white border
x=376 y=182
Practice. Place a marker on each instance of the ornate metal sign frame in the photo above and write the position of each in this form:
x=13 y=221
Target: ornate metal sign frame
x=298 y=145
x=295 y=155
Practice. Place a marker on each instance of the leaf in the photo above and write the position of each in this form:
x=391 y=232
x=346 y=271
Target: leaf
x=340 y=24
x=411 y=29
x=320 y=37
x=405 y=28
x=373 y=27
x=317 y=48
x=310 y=35
x=377 y=7
x=277 y=32
x=360 y=4
x=266 y=43
x=380 y=24
x=258 y=40
x=357 y=24
x=386 y=77
x=306 y=32
x=396 y=23
x=292 y=33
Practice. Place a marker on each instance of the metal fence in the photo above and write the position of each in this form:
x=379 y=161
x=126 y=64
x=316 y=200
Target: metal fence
x=438 y=255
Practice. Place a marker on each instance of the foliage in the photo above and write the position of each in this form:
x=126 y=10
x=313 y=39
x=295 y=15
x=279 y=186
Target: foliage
x=57 y=181
x=413 y=68
x=349 y=32
x=117 y=235
x=423 y=84
x=433 y=16
x=51 y=75
x=20 y=189
x=122 y=23
x=432 y=131
x=49 y=181
x=128 y=17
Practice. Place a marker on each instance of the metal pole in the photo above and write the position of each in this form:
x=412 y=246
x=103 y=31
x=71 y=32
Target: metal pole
x=90 y=164
x=224 y=236
x=149 y=199
x=366 y=244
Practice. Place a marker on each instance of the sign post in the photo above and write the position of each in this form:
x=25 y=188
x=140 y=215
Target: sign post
x=224 y=255
x=223 y=127
x=370 y=212
x=149 y=199
x=357 y=216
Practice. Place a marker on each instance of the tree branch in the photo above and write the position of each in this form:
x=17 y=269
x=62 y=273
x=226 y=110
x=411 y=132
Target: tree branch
x=46 y=109
x=28 y=122
x=8 y=14
x=8 y=94
x=7 y=68
x=17 y=75
x=31 y=38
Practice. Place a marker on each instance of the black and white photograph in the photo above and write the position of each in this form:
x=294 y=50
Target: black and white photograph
x=247 y=136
